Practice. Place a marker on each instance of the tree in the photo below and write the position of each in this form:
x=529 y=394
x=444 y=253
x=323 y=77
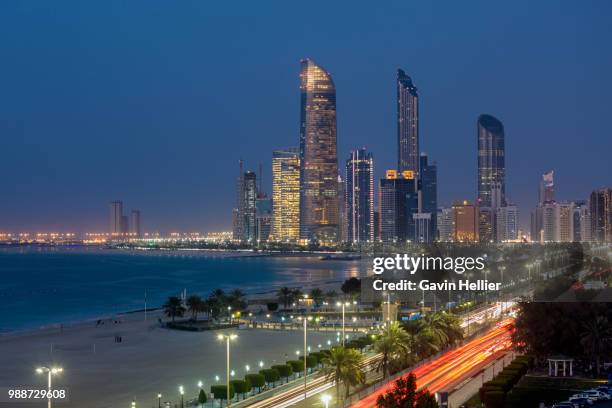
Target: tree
x=271 y=375
x=236 y=299
x=285 y=296
x=405 y=394
x=331 y=296
x=195 y=304
x=241 y=386
x=392 y=343
x=284 y=370
x=173 y=307
x=317 y=296
x=256 y=380
x=202 y=397
x=596 y=338
x=272 y=306
x=351 y=286
x=344 y=367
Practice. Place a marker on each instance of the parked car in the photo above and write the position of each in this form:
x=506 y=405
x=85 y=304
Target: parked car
x=581 y=402
x=597 y=395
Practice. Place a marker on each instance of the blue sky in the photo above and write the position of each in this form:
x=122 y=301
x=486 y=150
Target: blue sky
x=154 y=102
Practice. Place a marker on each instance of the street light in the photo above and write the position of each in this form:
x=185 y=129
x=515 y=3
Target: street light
x=227 y=338
x=133 y=404
x=306 y=349
x=51 y=371
x=326 y=398
x=159 y=396
x=343 y=304
x=182 y=392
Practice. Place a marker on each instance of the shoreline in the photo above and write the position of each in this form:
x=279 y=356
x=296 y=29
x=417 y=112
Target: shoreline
x=251 y=299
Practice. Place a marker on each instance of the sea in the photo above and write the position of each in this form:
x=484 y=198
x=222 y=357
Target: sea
x=46 y=286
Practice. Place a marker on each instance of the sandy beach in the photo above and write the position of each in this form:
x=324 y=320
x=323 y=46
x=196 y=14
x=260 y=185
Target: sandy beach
x=101 y=373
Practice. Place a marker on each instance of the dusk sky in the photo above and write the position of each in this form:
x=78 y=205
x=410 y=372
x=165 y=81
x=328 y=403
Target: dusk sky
x=154 y=102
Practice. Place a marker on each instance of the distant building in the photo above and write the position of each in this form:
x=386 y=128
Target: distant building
x=465 y=222
x=445 y=225
x=507 y=221
x=359 y=201
x=547 y=188
x=247 y=213
x=398 y=200
x=407 y=124
x=600 y=203
x=564 y=222
x=285 y=196
x=318 y=155
x=428 y=187
x=116 y=218
x=422 y=225
x=342 y=222
x=491 y=160
x=582 y=222
x=486 y=224
x=135 y=229
x=263 y=207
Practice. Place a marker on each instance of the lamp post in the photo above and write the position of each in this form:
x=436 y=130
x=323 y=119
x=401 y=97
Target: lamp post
x=343 y=304
x=182 y=392
x=134 y=404
x=159 y=396
x=227 y=338
x=305 y=353
x=50 y=371
x=326 y=398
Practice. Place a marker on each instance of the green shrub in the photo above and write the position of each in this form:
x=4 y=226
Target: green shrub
x=284 y=370
x=488 y=387
x=256 y=380
x=220 y=391
x=494 y=399
x=271 y=375
x=241 y=386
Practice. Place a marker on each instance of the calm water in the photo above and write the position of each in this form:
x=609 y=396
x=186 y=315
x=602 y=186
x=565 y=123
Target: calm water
x=41 y=286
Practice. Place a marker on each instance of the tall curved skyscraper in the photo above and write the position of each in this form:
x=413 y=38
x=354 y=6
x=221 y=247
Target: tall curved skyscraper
x=318 y=156
x=407 y=124
x=491 y=162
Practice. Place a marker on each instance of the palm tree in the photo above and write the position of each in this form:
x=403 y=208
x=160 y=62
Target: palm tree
x=595 y=338
x=331 y=296
x=195 y=305
x=173 y=307
x=392 y=343
x=285 y=296
x=344 y=366
x=436 y=326
x=236 y=299
x=317 y=296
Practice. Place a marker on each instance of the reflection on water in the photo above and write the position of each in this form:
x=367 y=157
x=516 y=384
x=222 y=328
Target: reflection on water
x=48 y=285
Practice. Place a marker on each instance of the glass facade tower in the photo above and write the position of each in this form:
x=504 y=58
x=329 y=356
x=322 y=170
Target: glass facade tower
x=407 y=124
x=491 y=161
x=359 y=196
x=318 y=155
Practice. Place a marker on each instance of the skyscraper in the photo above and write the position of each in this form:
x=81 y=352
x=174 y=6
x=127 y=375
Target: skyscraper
x=491 y=160
x=547 y=188
x=445 y=224
x=318 y=157
x=116 y=217
x=428 y=186
x=600 y=203
x=465 y=222
x=407 y=124
x=135 y=224
x=264 y=217
x=507 y=220
x=249 y=192
x=342 y=223
x=285 y=196
x=359 y=202
x=398 y=202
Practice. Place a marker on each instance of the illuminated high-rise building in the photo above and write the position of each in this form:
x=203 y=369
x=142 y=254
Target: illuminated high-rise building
x=116 y=218
x=264 y=217
x=342 y=223
x=359 y=196
x=491 y=161
x=249 y=197
x=407 y=124
x=398 y=202
x=600 y=204
x=547 y=188
x=465 y=222
x=445 y=224
x=318 y=156
x=428 y=194
x=285 y=196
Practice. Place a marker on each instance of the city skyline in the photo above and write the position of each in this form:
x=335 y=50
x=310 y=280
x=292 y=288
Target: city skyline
x=77 y=150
